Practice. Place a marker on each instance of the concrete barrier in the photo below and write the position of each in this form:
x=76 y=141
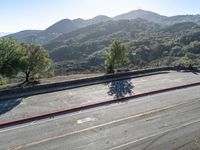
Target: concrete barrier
x=123 y=99
x=53 y=87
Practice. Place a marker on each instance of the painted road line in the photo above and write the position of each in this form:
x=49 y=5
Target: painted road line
x=49 y=115
x=154 y=135
x=94 y=127
x=75 y=114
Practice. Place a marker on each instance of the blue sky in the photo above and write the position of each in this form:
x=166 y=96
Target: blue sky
x=17 y=15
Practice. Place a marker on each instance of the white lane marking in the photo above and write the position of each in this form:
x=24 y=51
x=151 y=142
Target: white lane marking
x=18 y=127
x=89 y=129
x=153 y=135
x=172 y=80
x=54 y=119
x=88 y=119
x=74 y=114
x=68 y=115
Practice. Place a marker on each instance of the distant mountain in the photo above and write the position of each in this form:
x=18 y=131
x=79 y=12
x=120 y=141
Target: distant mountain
x=63 y=26
x=100 y=30
x=182 y=18
x=27 y=36
x=97 y=19
x=4 y=34
x=66 y=25
x=148 y=15
x=180 y=27
x=148 y=43
x=151 y=39
x=44 y=36
x=66 y=46
x=157 y=18
x=81 y=43
x=80 y=23
x=60 y=27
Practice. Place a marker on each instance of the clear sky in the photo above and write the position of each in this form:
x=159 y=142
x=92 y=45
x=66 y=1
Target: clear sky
x=16 y=15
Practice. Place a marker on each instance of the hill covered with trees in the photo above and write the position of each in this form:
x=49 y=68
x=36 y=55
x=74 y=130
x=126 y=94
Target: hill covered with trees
x=67 y=25
x=151 y=40
x=148 y=43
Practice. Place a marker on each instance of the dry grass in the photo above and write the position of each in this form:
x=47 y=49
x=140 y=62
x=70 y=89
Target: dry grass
x=52 y=80
x=67 y=78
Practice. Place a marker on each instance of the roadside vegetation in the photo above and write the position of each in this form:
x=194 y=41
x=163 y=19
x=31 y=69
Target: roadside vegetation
x=28 y=61
x=148 y=45
x=151 y=40
x=116 y=56
x=103 y=47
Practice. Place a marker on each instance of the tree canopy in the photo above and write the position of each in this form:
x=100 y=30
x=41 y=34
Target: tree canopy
x=34 y=61
x=116 y=56
x=10 y=53
x=30 y=59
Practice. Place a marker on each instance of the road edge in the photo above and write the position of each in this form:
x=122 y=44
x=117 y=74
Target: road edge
x=85 y=107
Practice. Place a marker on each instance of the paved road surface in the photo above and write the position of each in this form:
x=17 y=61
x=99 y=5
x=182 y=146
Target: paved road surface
x=45 y=103
x=162 y=121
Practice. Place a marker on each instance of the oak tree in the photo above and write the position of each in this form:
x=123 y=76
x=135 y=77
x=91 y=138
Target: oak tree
x=116 y=56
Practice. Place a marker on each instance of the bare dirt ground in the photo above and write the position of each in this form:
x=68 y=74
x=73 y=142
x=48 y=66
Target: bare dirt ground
x=53 y=80
x=67 y=78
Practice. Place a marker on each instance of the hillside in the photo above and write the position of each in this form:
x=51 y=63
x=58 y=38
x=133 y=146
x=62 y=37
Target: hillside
x=67 y=25
x=107 y=31
x=147 y=15
x=3 y=34
x=62 y=26
x=148 y=44
x=53 y=31
x=181 y=19
x=27 y=36
x=79 y=45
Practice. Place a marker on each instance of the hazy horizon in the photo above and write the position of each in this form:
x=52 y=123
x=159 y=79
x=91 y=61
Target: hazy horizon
x=37 y=15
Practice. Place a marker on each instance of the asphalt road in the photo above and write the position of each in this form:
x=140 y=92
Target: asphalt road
x=56 y=101
x=157 y=122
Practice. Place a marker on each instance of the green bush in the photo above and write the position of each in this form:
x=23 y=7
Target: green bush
x=3 y=81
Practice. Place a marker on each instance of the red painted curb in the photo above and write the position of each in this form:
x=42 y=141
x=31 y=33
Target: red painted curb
x=11 y=123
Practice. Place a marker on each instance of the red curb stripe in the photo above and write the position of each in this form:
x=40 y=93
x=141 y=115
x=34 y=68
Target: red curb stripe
x=49 y=115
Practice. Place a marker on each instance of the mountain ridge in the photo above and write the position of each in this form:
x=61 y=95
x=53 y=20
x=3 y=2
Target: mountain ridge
x=148 y=42
x=4 y=34
x=67 y=25
x=144 y=14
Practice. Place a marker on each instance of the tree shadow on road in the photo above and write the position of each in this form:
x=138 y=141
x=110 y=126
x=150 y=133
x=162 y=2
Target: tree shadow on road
x=6 y=106
x=120 y=88
x=195 y=72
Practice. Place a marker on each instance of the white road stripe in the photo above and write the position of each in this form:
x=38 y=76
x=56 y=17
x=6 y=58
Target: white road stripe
x=153 y=135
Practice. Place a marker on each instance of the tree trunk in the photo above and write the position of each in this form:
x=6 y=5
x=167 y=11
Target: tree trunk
x=110 y=69
x=27 y=77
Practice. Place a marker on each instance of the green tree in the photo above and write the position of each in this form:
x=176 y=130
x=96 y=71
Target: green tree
x=34 y=62
x=116 y=56
x=10 y=53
